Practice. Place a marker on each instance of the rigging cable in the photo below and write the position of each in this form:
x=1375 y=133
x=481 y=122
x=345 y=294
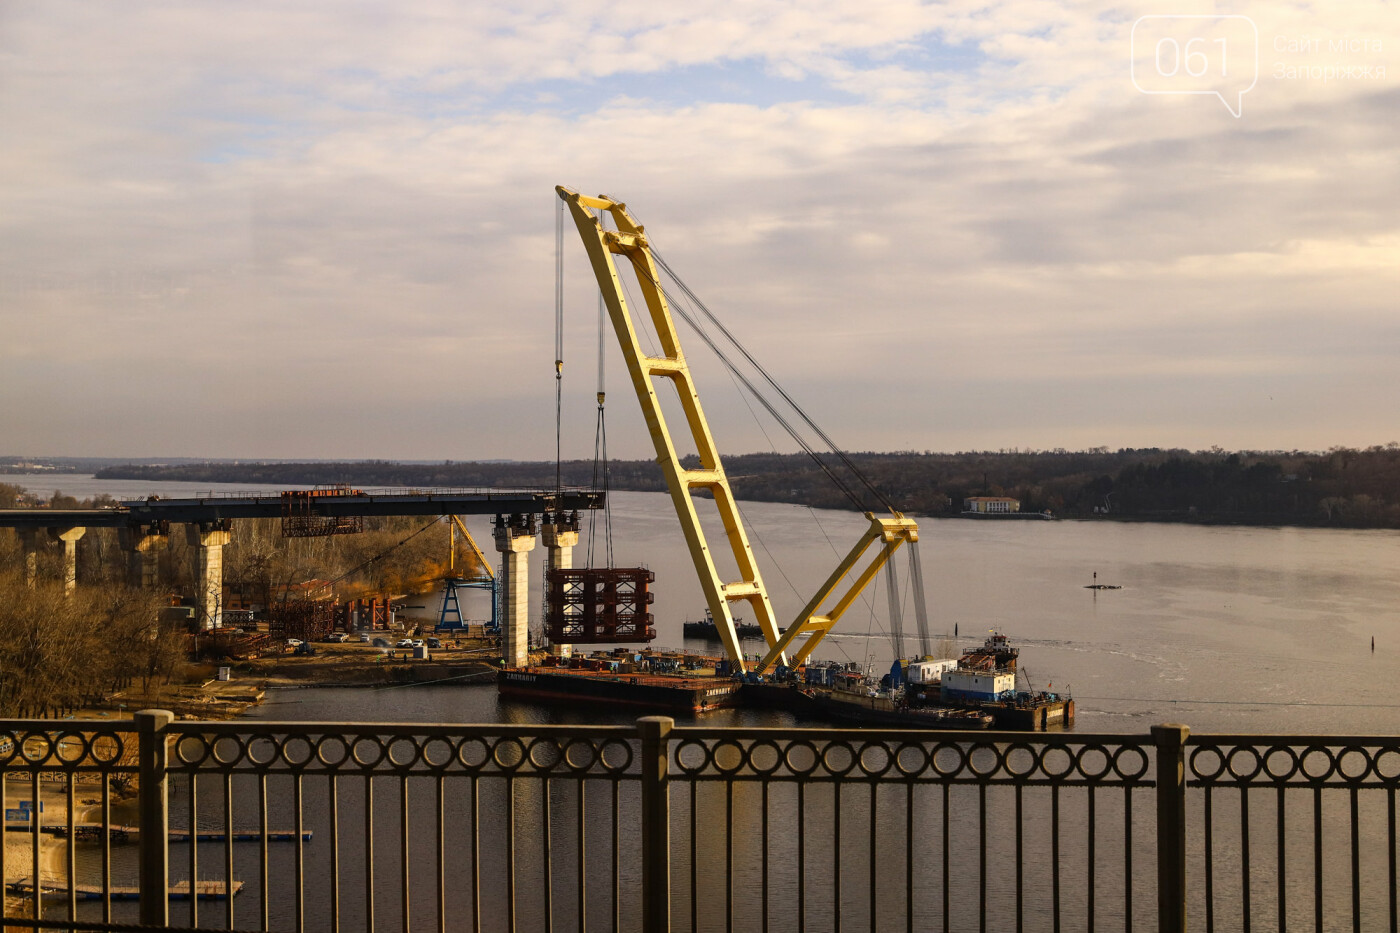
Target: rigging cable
x=845 y=460
x=356 y=569
x=558 y=348
x=601 y=469
x=916 y=576
x=763 y=400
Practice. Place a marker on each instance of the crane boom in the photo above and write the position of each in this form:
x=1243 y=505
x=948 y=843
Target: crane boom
x=629 y=239
x=455 y=525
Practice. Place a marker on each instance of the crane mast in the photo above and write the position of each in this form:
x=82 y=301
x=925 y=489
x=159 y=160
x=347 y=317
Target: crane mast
x=845 y=584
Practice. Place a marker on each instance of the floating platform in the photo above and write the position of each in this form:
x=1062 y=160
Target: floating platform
x=85 y=832
x=662 y=692
x=816 y=702
x=178 y=890
x=1037 y=715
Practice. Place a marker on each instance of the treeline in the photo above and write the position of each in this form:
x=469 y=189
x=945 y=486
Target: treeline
x=59 y=654
x=1345 y=487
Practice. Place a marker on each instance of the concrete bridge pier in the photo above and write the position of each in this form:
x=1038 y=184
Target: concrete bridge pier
x=69 y=537
x=143 y=544
x=30 y=542
x=33 y=540
x=560 y=533
x=208 y=540
x=515 y=538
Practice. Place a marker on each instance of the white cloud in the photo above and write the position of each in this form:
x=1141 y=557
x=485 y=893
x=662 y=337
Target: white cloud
x=331 y=228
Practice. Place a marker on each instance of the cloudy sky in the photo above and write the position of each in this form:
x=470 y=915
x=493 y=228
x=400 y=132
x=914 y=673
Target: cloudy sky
x=272 y=229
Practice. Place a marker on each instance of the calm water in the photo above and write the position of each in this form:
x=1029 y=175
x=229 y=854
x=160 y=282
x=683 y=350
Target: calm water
x=1224 y=628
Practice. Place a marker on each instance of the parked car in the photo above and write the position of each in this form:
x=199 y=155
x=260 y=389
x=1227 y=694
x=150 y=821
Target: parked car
x=434 y=643
x=381 y=643
x=404 y=643
x=364 y=639
x=417 y=643
x=294 y=642
x=336 y=637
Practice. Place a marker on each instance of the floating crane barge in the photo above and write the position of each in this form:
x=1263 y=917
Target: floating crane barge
x=656 y=682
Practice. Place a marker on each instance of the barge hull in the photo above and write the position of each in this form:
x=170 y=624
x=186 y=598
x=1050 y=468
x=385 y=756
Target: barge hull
x=651 y=691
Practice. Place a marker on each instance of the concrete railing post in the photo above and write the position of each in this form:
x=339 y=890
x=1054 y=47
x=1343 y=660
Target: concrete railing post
x=656 y=823
x=153 y=802
x=1171 y=826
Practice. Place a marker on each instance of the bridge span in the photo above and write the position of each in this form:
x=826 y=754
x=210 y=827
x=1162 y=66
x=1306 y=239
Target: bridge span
x=378 y=502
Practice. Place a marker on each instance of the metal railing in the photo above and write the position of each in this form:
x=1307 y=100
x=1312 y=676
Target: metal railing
x=331 y=826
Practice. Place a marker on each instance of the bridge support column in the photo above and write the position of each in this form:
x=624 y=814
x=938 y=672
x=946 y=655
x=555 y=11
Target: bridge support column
x=208 y=540
x=560 y=533
x=69 y=537
x=143 y=545
x=515 y=538
x=30 y=542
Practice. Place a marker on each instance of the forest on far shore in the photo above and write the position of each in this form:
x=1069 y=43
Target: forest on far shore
x=1341 y=487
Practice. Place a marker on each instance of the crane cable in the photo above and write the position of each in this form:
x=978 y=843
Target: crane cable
x=558 y=348
x=915 y=568
x=601 y=470
x=767 y=377
x=679 y=309
x=703 y=334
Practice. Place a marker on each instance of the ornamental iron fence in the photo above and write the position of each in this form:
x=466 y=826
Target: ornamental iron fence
x=157 y=824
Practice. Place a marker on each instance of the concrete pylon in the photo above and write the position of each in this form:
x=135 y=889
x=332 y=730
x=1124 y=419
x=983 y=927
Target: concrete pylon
x=208 y=540
x=560 y=533
x=69 y=537
x=30 y=542
x=143 y=545
x=515 y=538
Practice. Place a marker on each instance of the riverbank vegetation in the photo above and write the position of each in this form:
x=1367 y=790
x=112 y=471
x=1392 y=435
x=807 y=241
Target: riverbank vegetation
x=1341 y=487
x=60 y=654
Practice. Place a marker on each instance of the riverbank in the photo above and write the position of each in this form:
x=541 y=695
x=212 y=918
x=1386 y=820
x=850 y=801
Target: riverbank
x=203 y=696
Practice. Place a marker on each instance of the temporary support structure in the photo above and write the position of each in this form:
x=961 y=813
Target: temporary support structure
x=450 y=616
x=599 y=605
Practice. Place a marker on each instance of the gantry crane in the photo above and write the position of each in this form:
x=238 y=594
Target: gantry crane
x=450 y=614
x=850 y=577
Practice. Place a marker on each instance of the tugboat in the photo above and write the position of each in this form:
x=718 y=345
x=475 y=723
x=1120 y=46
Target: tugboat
x=710 y=632
x=846 y=694
x=985 y=680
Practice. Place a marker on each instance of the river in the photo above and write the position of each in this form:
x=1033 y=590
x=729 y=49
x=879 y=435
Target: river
x=1221 y=627
x=1228 y=629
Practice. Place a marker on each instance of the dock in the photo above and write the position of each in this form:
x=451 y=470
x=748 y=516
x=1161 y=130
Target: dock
x=178 y=890
x=86 y=832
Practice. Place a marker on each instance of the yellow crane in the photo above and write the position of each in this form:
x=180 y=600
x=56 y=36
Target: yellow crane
x=454 y=526
x=628 y=239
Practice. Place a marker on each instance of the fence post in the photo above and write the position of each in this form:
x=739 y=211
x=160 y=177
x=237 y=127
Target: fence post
x=1171 y=826
x=656 y=823
x=152 y=803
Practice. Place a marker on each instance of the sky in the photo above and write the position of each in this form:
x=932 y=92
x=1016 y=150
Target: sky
x=282 y=230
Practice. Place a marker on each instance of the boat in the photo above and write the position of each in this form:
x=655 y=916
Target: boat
x=985 y=680
x=844 y=693
x=710 y=632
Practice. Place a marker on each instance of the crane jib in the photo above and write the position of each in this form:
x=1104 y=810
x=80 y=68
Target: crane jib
x=850 y=577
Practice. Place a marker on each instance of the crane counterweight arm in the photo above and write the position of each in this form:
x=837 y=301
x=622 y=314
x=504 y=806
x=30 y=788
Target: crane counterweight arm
x=812 y=621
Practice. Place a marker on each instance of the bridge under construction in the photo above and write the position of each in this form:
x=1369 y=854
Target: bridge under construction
x=521 y=517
